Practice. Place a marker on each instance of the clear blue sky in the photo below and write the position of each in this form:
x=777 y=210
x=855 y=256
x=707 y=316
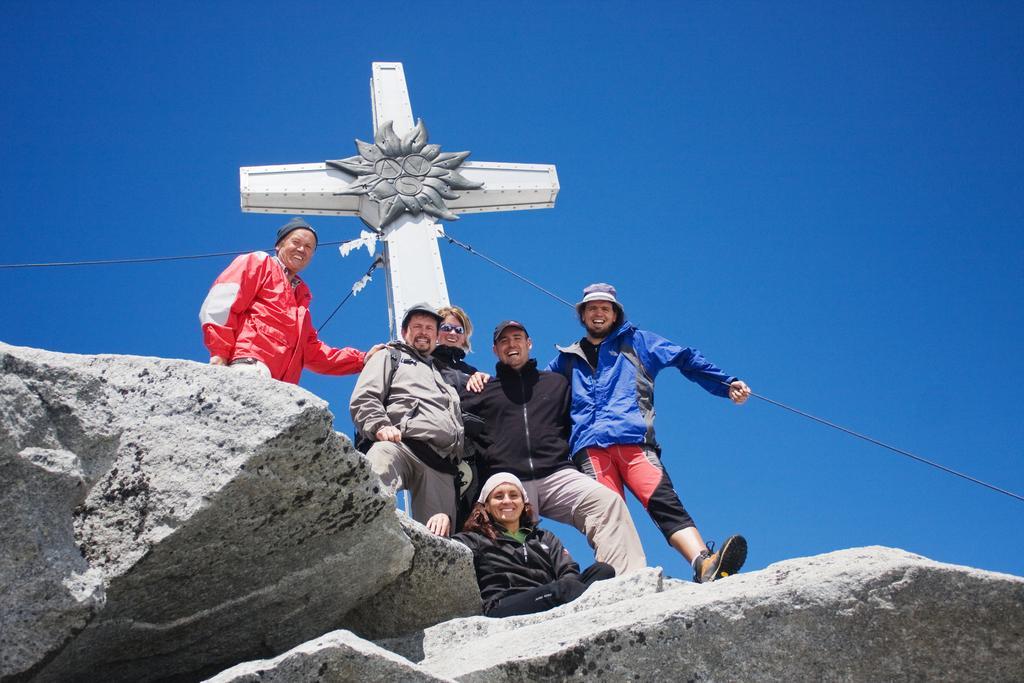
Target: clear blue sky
x=826 y=199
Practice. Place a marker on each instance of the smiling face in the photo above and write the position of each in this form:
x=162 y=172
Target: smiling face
x=296 y=249
x=505 y=505
x=421 y=332
x=452 y=337
x=599 y=319
x=513 y=347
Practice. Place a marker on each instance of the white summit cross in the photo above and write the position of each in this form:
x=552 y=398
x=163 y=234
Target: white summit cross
x=398 y=185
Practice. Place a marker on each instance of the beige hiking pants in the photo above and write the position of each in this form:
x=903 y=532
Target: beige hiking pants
x=399 y=469
x=571 y=497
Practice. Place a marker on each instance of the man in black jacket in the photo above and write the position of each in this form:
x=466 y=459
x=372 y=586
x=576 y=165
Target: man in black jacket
x=526 y=432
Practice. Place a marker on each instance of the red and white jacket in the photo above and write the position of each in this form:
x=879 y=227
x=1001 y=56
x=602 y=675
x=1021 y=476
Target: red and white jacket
x=253 y=311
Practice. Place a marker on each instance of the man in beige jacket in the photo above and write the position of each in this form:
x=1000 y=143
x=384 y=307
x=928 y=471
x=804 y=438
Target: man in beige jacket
x=403 y=404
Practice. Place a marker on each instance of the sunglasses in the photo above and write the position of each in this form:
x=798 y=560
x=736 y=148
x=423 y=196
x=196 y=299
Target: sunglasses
x=457 y=329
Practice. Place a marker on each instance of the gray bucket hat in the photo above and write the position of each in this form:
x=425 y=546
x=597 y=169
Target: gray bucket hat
x=600 y=291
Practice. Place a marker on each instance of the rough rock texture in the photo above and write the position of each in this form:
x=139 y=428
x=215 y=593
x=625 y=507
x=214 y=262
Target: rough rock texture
x=336 y=657
x=440 y=585
x=47 y=591
x=458 y=634
x=164 y=517
x=863 y=614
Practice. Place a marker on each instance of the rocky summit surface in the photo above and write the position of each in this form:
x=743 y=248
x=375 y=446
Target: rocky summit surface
x=864 y=614
x=167 y=520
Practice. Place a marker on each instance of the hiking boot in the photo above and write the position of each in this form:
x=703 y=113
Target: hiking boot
x=712 y=566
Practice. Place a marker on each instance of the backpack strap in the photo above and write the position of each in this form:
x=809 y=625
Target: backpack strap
x=362 y=443
x=396 y=358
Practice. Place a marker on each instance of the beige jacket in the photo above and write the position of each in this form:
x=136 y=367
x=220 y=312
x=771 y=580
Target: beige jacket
x=420 y=403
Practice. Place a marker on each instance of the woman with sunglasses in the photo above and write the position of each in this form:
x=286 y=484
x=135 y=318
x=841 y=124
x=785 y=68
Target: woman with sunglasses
x=453 y=345
x=450 y=358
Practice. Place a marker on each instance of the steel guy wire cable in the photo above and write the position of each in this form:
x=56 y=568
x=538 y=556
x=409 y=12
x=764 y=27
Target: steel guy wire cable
x=508 y=270
x=376 y=262
x=148 y=259
x=885 y=445
x=807 y=415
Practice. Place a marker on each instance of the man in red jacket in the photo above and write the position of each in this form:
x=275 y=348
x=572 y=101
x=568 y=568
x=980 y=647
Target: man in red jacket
x=256 y=316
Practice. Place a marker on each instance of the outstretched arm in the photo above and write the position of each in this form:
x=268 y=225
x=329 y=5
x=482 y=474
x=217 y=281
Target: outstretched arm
x=657 y=353
x=327 y=360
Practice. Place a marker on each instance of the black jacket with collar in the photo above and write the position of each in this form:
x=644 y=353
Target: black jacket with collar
x=451 y=363
x=526 y=421
x=505 y=566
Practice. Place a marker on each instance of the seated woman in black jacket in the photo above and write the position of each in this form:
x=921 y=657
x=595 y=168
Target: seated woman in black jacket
x=520 y=569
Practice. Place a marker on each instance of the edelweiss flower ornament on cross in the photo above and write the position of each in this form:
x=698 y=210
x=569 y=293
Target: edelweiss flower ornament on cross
x=405 y=174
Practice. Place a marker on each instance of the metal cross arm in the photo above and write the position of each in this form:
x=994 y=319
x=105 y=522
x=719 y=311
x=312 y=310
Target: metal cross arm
x=399 y=184
x=317 y=189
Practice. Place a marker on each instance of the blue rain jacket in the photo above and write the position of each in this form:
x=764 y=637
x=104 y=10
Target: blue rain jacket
x=614 y=404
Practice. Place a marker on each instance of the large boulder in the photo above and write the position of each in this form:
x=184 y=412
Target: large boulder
x=861 y=614
x=335 y=657
x=440 y=585
x=165 y=518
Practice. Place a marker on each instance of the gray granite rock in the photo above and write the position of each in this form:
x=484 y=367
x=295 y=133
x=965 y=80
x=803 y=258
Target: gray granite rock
x=336 y=657
x=862 y=614
x=166 y=518
x=57 y=593
x=457 y=635
x=440 y=585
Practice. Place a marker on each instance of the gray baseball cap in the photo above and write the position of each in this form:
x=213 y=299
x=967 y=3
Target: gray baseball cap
x=422 y=307
x=505 y=324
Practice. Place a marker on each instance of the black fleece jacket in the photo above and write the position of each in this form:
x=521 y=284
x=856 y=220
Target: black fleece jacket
x=526 y=421
x=505 y=566
x=451 y=363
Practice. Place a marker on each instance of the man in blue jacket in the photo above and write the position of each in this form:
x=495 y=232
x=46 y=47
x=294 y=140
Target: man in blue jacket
x=612 y=371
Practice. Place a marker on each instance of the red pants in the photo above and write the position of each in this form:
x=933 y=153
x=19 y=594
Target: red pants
x=638 y=468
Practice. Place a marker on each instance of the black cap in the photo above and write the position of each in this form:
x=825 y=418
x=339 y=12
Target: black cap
x=293 y=225
x=508 y=323
x=422 y=307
